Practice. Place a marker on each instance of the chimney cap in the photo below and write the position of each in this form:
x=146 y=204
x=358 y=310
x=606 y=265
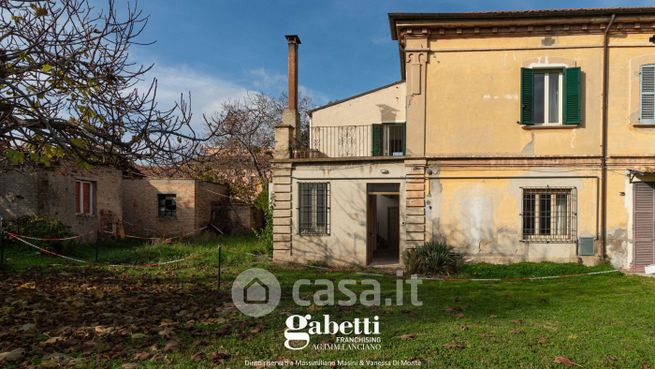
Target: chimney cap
x=293 y=39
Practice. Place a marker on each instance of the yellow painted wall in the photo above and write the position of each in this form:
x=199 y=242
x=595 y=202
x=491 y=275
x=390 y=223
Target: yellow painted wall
x=626 y=137
x=478 y=211
x=473 y=97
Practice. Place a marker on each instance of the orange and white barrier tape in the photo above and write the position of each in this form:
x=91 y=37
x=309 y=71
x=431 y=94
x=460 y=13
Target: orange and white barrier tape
x=45 y=251
x=449 y=279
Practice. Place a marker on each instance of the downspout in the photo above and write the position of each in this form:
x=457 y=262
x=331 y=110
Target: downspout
x=603 y=160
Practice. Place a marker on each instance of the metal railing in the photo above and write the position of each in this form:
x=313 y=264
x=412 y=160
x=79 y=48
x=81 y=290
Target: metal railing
x=340 y=141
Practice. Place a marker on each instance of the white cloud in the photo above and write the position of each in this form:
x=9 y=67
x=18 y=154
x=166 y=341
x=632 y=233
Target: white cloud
x=265 y=80
x=208 y=92
x=276 y=83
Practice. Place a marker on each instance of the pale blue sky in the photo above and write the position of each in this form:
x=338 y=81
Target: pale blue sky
x=221 y=49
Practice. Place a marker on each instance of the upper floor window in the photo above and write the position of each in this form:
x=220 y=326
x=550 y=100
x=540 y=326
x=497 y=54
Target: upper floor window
x=167 y=205
x=550 y=96
x=84 y=195
x=388 y=139
x=647 y=91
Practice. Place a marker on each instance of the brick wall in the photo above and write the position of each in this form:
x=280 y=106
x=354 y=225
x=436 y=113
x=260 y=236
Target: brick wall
x=208 y=195
x=18 y=194
x=51 y=192
x=194 y=200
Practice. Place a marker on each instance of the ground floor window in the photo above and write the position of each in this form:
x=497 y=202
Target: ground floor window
x=84 y=195
x=167 y=205
x=548 y=214
x=313 y=208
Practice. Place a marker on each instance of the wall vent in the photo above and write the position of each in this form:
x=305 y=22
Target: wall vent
x=586 y=246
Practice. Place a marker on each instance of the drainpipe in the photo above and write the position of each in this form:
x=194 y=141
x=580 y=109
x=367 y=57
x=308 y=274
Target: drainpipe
x=603 y=160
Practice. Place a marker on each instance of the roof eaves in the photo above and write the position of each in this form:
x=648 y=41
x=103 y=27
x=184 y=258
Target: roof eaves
x=353 y=97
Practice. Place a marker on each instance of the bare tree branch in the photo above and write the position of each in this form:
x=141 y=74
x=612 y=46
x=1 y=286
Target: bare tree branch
x=68 y=90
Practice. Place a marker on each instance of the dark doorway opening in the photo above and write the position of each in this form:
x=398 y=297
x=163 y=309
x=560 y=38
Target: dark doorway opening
x=383 y=224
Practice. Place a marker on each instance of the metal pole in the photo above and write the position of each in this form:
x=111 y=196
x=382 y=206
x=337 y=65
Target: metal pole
x=219 y=267
x=2 y=243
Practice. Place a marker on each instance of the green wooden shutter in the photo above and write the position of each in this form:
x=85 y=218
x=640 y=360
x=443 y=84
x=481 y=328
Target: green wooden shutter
x=527 y=96
x=376 y=143
x=572 y=96
x=404 y=138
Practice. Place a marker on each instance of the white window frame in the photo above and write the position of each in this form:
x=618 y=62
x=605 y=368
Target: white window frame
x=91 y=197
x=560 y=103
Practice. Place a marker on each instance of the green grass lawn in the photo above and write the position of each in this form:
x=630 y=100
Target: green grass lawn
x=175 y=317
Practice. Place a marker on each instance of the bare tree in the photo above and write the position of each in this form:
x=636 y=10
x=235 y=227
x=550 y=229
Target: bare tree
x=68 y=90
x=242 y=141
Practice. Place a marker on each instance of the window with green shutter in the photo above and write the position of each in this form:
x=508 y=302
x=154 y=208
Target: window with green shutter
x=527 y=96
x=572 y=92
x=388 y=139
x=377 y=142
x=647 y=92
x=550 y=96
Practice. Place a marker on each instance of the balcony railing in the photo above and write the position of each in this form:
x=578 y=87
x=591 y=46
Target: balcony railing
x=341 y=141
x=354 y=140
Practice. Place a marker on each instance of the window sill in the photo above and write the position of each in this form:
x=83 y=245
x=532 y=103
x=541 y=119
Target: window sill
x=550 y=126
x=167 y=218
x=79 y=215
x=546 y=242
x=643 y=125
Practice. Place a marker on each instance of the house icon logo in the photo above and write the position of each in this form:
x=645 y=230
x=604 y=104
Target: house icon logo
x=256 y=292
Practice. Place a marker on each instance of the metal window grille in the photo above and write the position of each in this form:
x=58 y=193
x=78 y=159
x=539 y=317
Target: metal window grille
x=393 y=139
x=549 y=214
x=314 y=208
x=167 y=205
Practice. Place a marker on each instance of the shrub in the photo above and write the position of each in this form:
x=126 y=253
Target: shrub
x=46 y=227
x=265 y=235
x=432 y=258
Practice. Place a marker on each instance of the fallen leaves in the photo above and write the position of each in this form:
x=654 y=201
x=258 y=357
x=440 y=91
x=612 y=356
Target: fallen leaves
x=563 y=360
x=453 y=346
x=82 y=315
x=12 y=356
x=409 y=336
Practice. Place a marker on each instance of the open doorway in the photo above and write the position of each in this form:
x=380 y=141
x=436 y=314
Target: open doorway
x=383 y=224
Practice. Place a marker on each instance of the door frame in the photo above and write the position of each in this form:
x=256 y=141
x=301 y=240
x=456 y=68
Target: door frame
x=371 y=216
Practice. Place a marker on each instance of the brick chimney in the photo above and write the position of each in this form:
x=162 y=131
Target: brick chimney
x=287 y=131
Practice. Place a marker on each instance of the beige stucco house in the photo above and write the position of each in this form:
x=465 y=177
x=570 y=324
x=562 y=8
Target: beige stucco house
x=513 y=136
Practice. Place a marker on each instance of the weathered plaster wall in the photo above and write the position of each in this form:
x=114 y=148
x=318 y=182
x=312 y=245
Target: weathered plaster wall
x=346 y=243
x=478 y=211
